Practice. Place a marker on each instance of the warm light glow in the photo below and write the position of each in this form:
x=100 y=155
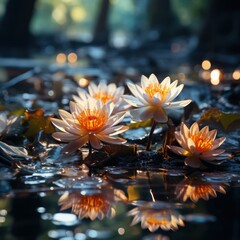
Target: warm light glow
x=206 y=64
x=61 y=58
x=205 y=75
x=83 y=82
x=78 y=14
x=72 y=57
x=236 y=74
x=59 y=14
x=215 y=76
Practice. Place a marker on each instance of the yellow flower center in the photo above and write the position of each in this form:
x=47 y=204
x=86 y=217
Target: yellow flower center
x=202 y=143
x=93 y=203
x=152 y=89
x=104 y=96
x=92 y=120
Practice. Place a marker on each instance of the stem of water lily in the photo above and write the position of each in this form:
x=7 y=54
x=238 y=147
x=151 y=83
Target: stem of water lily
x=90 y=149
x=148 y=148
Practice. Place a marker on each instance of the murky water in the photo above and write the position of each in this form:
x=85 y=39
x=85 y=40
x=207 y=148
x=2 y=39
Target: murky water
x=119 y=203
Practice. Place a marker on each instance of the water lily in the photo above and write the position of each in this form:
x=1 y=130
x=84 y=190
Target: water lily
x=5 y=123
x=153 y=98
x=88 y=122
x=92 y=205
x=198 y=145
x=195 y=189
x=104 y=92
x=152 y=216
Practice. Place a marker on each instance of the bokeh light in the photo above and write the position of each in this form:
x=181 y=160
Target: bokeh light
x=215 y=76
x=206 y=64
x=236 y=74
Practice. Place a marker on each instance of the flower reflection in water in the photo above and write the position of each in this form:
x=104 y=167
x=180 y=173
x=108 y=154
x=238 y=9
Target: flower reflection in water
x=154 y=215
x=195 y=188
x=92 y=204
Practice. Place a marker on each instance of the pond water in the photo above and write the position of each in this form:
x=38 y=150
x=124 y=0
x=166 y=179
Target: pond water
x=47 y=195
x=119 y=203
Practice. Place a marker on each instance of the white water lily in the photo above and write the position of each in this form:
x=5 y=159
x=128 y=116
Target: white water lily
x=5 y=123
x=197 y=145
x=153 y=98
x=106 y=93
x=88 y=122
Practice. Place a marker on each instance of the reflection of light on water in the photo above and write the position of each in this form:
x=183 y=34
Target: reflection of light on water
x=121 y=231
x=199 y=218
x=41 y=210
x=215 y=76
x=236 y=74
x=99 y=234
x=67 y=219
x=206 y=64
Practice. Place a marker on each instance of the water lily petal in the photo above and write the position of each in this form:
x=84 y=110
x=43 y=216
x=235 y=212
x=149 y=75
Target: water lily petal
x=178 y=104
x=94 y=141
x=75 y=145
x=218 y=142
x=64 y=137
x=180 y=151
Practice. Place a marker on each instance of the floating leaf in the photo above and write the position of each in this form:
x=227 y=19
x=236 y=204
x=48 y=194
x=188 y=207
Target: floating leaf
x=36 y=122
x=230 y=119
x=226 y=120
x=142 y=124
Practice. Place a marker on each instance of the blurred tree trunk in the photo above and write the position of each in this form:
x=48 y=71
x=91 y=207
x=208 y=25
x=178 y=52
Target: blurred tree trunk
x=161 y=18
x=15 y=24
x=221 y=29
x=101 y=31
